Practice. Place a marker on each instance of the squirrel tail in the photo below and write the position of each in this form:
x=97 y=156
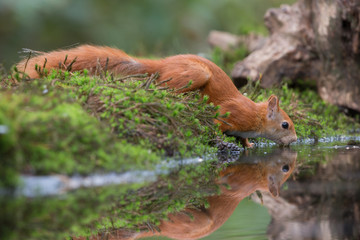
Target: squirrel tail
x=93 y=58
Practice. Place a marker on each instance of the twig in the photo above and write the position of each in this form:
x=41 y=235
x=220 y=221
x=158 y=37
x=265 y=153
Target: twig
x=112 y=86
x=106 y=65
x=161 y=82
x=152 y=78
x=101 y=108
x=66 y=56
x=98 y=68
x=131 y=76
x=150 y=228
x=163 y=88
x=121 y=100
x=53 y=81
x=27 y=60
x=184 y=87
x=223 y=121
x=70 y=65
x=45 y=62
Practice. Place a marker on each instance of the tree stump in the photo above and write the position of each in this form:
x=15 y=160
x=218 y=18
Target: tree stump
x=312 y=39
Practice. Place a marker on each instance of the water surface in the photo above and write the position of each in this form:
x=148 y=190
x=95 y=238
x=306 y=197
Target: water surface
x=310 y=191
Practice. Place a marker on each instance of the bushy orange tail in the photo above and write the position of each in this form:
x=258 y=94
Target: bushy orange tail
x=89 y=57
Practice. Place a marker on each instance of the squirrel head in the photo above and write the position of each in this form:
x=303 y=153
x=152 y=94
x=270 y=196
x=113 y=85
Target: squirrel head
x=266 y=119
x=258 y=172
x=278 y=126
x=278 y=168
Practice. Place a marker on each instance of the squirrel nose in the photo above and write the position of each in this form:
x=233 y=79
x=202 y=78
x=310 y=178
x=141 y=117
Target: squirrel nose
x=294 y=139
x=288 y=140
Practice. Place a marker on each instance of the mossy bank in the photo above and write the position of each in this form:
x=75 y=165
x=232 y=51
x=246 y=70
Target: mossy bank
x=72 y=123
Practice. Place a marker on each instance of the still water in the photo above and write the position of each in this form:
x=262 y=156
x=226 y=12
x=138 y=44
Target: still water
x=310 y=191
x=320 y=201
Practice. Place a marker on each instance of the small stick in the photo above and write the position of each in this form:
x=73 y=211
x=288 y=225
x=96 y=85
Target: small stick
x=150 y=228
x=132 y=76
x=152 y=78
x=98 y=67
x=27 y=60
x=163 y=88
x=66 y=56
x=223 y=121
x=101 y=108
x=184 y=87
x=70 y=65
x=44 y=64
x=106 y=65
x=161 y=82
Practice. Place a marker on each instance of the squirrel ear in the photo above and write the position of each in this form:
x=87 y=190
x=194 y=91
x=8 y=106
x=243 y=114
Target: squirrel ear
x=273 y=106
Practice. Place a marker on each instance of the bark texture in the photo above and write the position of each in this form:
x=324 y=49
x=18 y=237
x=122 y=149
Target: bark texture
x=312 y=39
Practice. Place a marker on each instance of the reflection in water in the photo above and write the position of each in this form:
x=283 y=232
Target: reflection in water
x=325 y=205
x=236 y=182
x=36 y=186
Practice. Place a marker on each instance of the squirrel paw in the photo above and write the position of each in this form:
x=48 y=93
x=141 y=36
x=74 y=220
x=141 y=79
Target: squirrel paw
x=250 y=145
x=245 y=142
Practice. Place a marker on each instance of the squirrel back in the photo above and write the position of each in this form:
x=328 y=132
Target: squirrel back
x=247 y=118
x=180 y=68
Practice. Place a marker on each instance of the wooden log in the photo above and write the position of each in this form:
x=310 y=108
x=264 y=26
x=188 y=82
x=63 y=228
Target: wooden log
x=312 y=39
x=336 y=26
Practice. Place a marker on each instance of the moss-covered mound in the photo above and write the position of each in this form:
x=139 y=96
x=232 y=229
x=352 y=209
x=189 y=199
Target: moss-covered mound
x=72 y=123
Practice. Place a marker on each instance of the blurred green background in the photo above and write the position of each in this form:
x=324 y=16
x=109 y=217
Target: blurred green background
x=142 y=27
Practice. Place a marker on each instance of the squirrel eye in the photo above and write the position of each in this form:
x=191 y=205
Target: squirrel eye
x=285 y=168
x=285 y=125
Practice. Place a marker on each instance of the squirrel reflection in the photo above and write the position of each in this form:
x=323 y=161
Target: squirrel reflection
x=236 y=182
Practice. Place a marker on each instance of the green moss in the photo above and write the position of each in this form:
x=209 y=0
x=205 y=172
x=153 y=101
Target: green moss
x=140 y=113
x=46 y=135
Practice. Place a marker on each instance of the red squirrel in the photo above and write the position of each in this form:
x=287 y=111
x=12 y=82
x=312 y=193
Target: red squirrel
x=247 y=119
x=236 y=182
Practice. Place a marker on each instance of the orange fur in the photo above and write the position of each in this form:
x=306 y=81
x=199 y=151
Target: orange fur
x=247 y=118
